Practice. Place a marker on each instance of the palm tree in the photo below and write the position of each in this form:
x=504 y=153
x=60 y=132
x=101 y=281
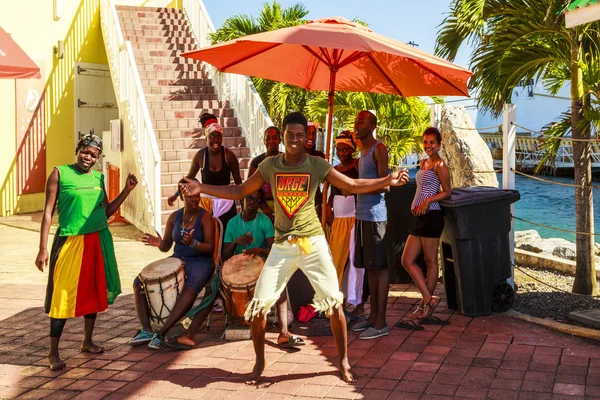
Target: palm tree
x=519 y=40
x=271 y=17
x=279 y=98
x=401 y=120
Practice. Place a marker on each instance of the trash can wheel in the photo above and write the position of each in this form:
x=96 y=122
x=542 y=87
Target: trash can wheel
x=503 y=297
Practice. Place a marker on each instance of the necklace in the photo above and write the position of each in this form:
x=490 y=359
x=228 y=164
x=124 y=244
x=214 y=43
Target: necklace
x=252 y=228
x=185 y=225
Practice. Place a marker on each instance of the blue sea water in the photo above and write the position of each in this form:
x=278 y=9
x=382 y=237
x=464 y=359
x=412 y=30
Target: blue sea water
x=549 y=204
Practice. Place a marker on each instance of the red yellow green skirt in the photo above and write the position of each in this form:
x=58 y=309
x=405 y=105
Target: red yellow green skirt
x=83 y=277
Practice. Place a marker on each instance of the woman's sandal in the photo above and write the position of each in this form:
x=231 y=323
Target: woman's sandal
x=433 y=320
x=293 y=341
x=409 y=324
x=431 y=305
x=415 y=314
x=173 y=343
x=352 y=318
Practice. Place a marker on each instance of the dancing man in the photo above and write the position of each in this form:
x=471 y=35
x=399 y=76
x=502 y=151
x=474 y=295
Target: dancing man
x=299 y=240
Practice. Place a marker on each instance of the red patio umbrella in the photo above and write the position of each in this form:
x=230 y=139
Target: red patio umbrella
x=337 y=54
x=14 y=63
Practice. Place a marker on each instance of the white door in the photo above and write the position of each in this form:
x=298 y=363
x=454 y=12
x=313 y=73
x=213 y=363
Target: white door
x=95 y=101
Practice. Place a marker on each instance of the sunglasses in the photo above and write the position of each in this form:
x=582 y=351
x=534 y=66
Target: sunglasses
x=254 y=199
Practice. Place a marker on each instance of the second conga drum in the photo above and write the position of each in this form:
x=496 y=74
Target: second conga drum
x=238 y=280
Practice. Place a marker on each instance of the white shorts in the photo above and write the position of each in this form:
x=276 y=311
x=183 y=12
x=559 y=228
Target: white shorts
x=284 y=259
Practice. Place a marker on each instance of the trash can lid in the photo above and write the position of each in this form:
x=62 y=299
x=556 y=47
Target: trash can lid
x=479 y=194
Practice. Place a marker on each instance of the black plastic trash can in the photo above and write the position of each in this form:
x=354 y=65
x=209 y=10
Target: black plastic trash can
x=400 y=219
x=475 y=250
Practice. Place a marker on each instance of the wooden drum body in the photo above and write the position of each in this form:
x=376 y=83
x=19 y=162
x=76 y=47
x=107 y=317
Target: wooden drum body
x=238 y=280
x=162 y=281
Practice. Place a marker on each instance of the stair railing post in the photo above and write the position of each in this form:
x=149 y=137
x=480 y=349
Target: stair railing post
x=509 y=133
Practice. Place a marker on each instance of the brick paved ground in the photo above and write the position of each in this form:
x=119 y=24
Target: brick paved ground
x=494 y=357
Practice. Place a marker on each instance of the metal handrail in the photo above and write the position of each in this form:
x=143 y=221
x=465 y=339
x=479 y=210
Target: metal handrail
x=140 y=151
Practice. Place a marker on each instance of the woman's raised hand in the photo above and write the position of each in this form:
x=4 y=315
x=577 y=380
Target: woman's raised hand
x=131 y=182
x=171 y=200
x=188 y=237
x=150 y=240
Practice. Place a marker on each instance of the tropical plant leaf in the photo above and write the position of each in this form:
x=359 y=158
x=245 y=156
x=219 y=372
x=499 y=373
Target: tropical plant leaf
x=400 y=124
x=550 y=141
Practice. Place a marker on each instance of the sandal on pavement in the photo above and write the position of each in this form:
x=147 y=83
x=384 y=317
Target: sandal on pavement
x=173 y=343
x=293 y=341
x=430 y=306
x=352 y=318
x=361 y=326
x=373 y=333
x=409 y=324
x=418 y=311
x=433 y=320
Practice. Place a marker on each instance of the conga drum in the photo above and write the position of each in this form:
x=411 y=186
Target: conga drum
x=238 y=280
x=162 y=281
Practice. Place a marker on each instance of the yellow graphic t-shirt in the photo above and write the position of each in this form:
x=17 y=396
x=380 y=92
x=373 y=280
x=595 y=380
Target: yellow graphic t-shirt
x=294 y=189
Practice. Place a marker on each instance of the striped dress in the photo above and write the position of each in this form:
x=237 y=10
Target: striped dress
x=428 y=185
x=83 y=277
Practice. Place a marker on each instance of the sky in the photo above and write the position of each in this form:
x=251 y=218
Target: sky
x=402 y=20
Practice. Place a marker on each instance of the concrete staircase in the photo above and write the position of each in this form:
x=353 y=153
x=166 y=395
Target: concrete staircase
x=177 y=91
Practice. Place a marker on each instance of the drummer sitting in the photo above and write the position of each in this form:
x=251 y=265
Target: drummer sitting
x=250 y=233
x=192 y=229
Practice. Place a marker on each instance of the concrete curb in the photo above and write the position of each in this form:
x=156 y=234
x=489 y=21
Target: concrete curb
x=557 y=326
x=544 y=261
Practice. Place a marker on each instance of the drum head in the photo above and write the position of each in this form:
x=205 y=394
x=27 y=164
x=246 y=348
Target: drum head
x=241 y=270
x=161 y=268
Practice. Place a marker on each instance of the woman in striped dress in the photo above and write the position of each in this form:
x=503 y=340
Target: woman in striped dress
x=83 y=278
x=424 y=236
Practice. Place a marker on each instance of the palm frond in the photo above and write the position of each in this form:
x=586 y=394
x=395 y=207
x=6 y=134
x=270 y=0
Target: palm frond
x=295 y=12
x=235 y=27
x=551 y=142
x=401 y=121
x=464 y=22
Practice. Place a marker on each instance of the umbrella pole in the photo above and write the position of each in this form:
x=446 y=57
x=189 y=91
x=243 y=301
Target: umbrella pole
x=328 y=138
x=330 y=116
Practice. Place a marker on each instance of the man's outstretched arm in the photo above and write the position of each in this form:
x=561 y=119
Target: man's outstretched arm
x=361 y=186
x=232 y=192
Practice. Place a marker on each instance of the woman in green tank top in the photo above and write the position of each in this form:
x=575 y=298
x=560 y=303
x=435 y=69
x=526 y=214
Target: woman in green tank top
x=83 y=277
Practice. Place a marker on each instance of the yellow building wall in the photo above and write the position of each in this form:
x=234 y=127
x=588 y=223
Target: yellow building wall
x=31 y=24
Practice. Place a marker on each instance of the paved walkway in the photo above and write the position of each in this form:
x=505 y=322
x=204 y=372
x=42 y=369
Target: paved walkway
x=494 y=357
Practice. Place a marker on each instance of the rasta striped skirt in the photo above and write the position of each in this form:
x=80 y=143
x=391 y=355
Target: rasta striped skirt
x=83 y=277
